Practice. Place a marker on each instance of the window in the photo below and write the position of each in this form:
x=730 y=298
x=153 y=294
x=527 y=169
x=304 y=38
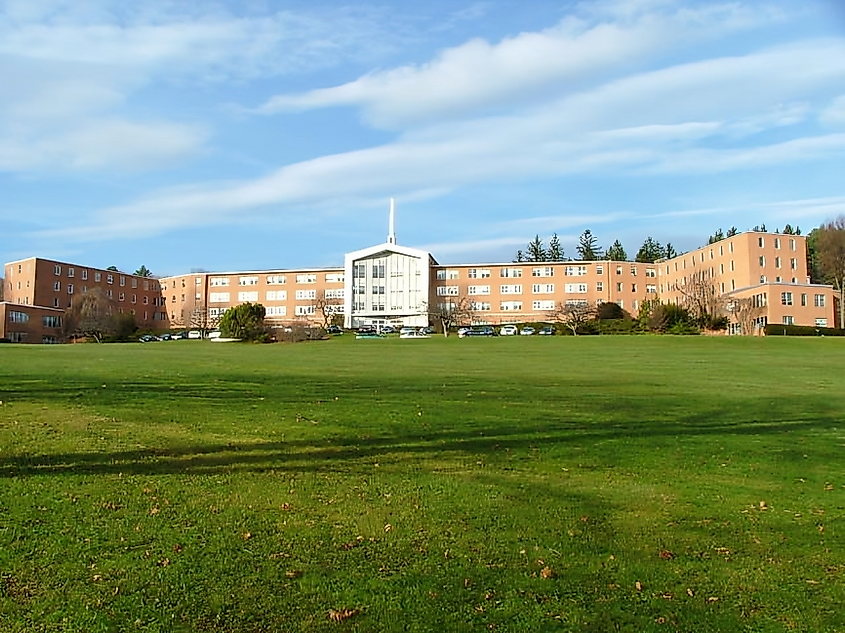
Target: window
x=777 y=243
x=633 y=287
x=762 y=279
x=619 y=270
x=122 y=280
x=198 y=281
x=543 y=289
x=788 y=320
x=578 y=288
x=803 y=299
x=599 y=269
x=444 y=274
x=378 y=290
x=478 y=273
x=481 y=306
x=760 y=242
x=721 y=269
x=57 y=286
x=793 y=263
x=786 y=298
x=619 y=287
x=653 y=288
x=51 y=321
x=762 y=260
x=109 y=279
x=135 y=283
x=512 y=289
x=777 y=262
x=275 y=280
x=732 y=265
x=134 y=298
x=821 y=322
x=306 y=279
x=70 y=272
x=378 y=270
x=70 y=289
x=545 y=271
x=575 y=271
x=543 y=305
x=510 y=306
x=334 y=293
x=218 y=297
x=248 y=295
x=446 y=291
x=791 y=244
x=275 y=311
x=18 y=317
x=306 y=294
x=57 y=270
x=576 y=303
x=478 y=290
x=147 y=299
x=633 y=271
x=121 y=296
x=510 y=272
x=600 y=286
x=819 y=301
x=98 y=276
x=651 y=272
x=335 y=278
x=305 y=310
x=248 y=281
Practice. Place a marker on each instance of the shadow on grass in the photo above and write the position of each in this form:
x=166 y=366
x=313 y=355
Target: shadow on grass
x=346 y=453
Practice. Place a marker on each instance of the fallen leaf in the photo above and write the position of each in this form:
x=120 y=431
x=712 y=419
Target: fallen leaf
x=666 y=554
x=639 y=585
x=690 y=593
x=154 y=511
x=247 y=536
x=763 y=505
x=342 y=614
x=547 y=573
x=712 y=599
x=388 y=528
x=293 y=573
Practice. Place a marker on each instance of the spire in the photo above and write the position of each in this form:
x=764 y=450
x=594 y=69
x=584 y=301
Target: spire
x=391 y=234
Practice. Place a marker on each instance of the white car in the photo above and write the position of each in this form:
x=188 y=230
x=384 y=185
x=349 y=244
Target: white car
x=214 y=334
x=194 y=334
x=508 y=330
x=527 y=331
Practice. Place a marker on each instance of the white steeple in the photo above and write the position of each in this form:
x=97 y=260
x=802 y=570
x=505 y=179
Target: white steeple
x=391 y=233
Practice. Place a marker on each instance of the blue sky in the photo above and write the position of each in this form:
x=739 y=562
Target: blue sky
x=259 y=134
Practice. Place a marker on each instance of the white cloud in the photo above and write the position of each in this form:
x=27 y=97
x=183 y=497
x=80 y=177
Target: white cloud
x=479 y=77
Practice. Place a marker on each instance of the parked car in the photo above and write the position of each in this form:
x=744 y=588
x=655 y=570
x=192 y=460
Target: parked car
x=367 y=329
x=165 y=337
x=508 y=330
x=214 y=334
x=482 y=331
x=147 y=338
x=387 y=329
x=407 y=330
x=194 y=334
x=546 y=330
x=427 y=330
x=334 y=329
x=527 y=331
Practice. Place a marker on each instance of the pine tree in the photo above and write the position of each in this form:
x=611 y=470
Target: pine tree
x=588 y=247
x=555 y=252
x=520 y=256
x=669 y=251
x=616 y=252
x=536 y=250
x=651 y=251
x=731 y=232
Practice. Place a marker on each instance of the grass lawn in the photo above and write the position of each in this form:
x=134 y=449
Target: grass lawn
x=512 y=484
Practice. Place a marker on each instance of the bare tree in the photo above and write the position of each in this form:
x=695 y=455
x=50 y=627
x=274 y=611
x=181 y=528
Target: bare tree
x=830 y=254
x=195 y=316
x=573 y=314
x=745 y=312
x=328 y=309
x=90 y=314
x=701 y=297
x=452 y=312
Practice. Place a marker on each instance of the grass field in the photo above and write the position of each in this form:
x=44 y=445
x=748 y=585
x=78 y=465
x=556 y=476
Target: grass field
x=573 y=484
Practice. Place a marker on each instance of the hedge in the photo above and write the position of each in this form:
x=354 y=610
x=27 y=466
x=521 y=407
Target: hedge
x=774 y=329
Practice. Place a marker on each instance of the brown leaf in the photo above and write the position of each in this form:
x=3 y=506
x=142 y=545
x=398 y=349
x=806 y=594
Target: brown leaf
x=247 y=536
x=293 y=573
x=690 y=592
x=388 y=528
x=638 y=585
x=342 y=614
x=547 y=573
x=154 y=511
x=666 y=554
x=763 y=505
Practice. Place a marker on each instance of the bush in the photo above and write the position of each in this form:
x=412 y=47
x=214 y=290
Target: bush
x=245 y=322
x=672 y=319
x=774 y=329
x=611 y=311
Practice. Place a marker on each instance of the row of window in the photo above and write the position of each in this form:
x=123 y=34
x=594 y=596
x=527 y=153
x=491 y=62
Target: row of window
x=276 y=280
x=446 y=274
x=271 y=295
x=818 y=300
x=517 y=289
x=98 y=277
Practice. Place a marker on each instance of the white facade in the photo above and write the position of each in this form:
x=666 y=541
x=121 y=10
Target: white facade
x=386 y=284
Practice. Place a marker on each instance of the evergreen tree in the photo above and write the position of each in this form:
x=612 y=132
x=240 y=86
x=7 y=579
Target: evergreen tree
x=588 y=247
x=520 y=256
x=669 y=251
x=555 y=252
x=536 y=250
x=731 y=232
x=716 y=237
x=143 y=271
x=651 y=251
x=616 y=252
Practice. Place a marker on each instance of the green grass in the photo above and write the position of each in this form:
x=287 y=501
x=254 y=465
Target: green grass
x=573 y=484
